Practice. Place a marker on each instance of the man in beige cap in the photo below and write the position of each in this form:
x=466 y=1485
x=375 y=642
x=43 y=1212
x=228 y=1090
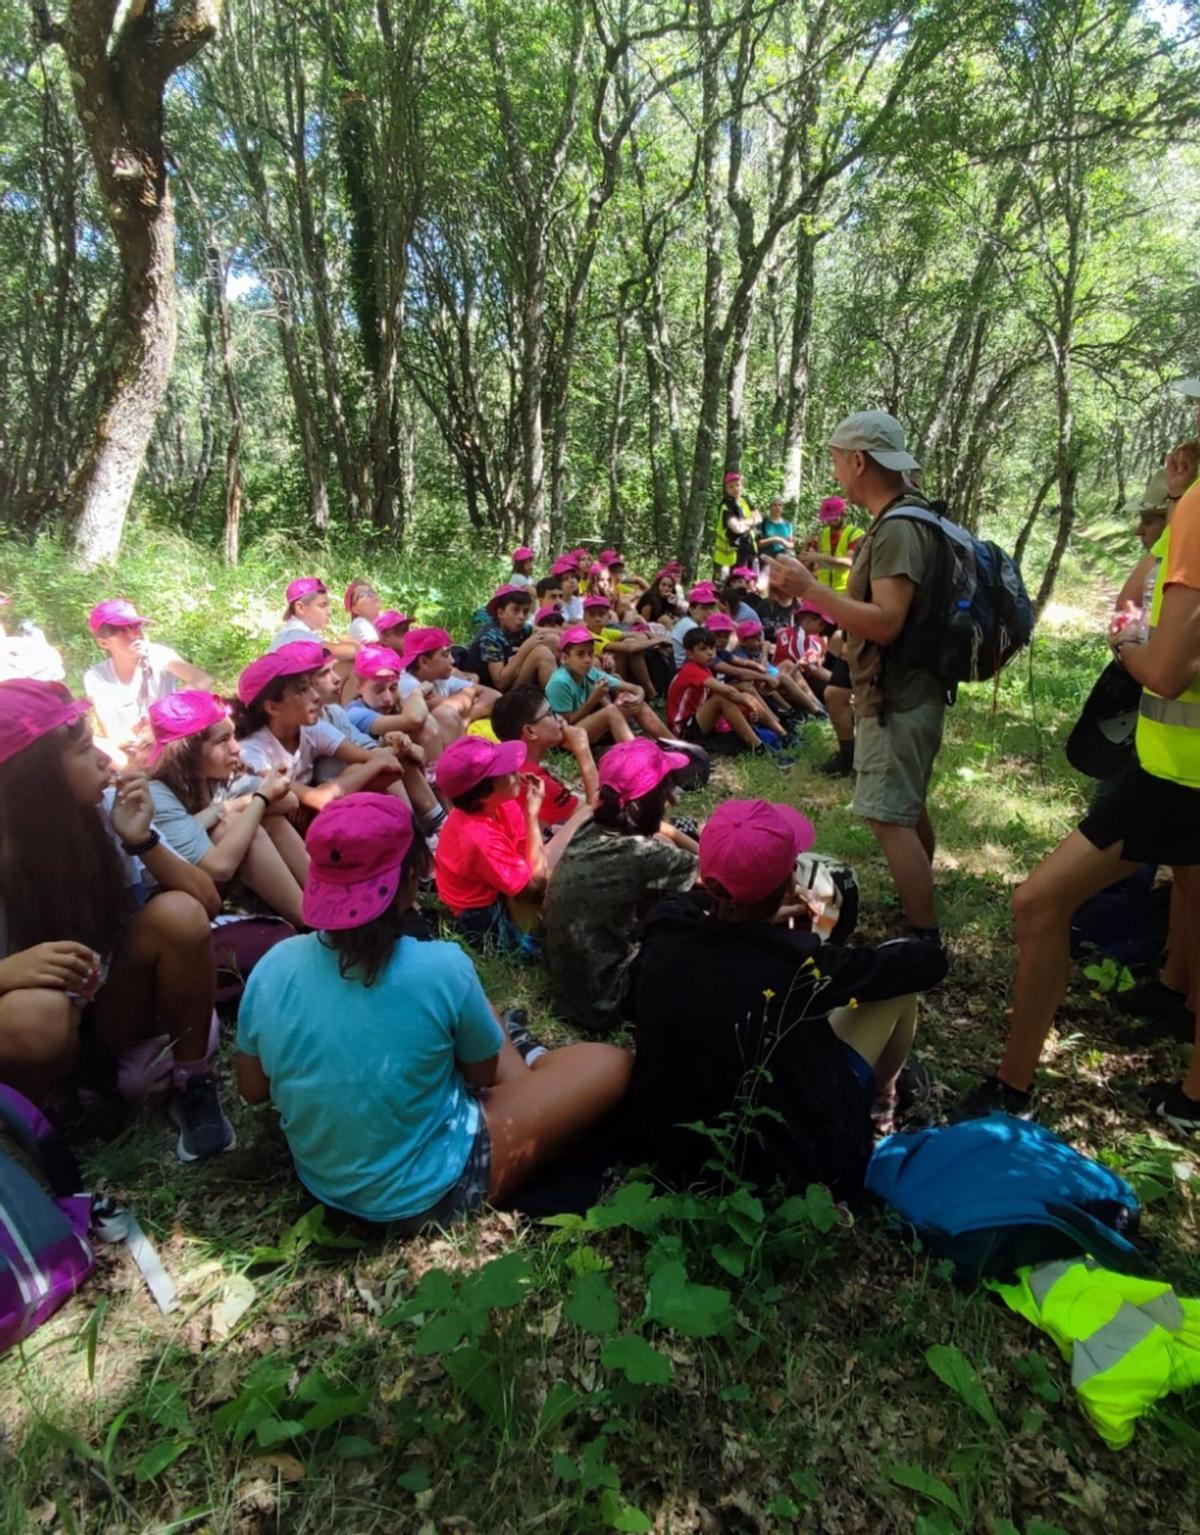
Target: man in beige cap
x=1190 y=389
x=899 y=706
x=1151 y=509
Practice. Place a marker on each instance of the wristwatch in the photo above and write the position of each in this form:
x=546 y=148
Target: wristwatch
x=146 y=845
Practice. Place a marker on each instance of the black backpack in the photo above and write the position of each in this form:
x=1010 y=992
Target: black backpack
x=980 y=615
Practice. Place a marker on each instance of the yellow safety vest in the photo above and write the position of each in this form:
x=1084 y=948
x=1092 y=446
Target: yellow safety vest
x=1168 y=729
x=724 y=553
x=839 y=549
x=1129 y=1341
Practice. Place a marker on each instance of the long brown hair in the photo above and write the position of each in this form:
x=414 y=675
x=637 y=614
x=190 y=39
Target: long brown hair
x=179 y=769
x=363 y=952
x=60 y=873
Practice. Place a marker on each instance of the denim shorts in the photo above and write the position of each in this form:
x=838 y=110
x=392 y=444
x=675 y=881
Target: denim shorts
x=864 y=1072
x=464 y=1196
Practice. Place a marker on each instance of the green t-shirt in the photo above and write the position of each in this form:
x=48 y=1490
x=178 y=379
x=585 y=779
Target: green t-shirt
x=893 y=546
x=564 y=694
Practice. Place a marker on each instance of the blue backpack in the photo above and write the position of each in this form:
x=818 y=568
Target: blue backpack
x=995 y=1194
x=980 y=615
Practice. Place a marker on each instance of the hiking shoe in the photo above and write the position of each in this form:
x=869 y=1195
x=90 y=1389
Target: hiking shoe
x=1167 y=1100
x=195 y=1109
x=527 y=1045
x=1157 y=1003
x=840 y=765
x=991 y=1096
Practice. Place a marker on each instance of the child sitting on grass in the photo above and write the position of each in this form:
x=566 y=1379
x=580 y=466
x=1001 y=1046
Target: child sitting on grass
x=278 y=724
x=491 y=852
x=784 y=1041
x=702 y=603
x=307 y=616
x=750 y=679
x=699 y=705
x=363 y=604
x=625 y=650
x=613 y=866
x=194 y=760
x=525 y=715
x=429 y=669
x=378 y=710
x=134 y=673
x=368 y=1015
x=88 y=966
x=522 y=567
x=789 y=686
x=566 y=573
x=585 y=695
x=393 y=628
x=506 y=651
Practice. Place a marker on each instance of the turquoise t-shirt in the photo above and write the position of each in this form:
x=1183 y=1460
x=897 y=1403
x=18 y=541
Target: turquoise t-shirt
x=564 y=694
x=377 y=1116
x=771 y=535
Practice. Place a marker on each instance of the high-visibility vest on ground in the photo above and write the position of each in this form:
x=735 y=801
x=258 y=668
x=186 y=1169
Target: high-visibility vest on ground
x=836 y=543
x=1129 y=1341
x=1168 y=729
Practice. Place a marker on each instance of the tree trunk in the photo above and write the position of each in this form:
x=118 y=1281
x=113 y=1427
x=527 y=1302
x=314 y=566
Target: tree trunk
x=616 y=436
x=796 y=418
x=234 y=494
x=215 y=275
x=735 y=390
x=119 y=74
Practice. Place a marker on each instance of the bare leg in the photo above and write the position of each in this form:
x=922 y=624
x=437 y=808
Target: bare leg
x=532 y=1117
x=429 y=738
x=839 y=705
x=605 y=722
x=537 y=668
x=639 y=672
x=650 y=723
x=419 y=790
x=912 y=872
x=1042 y=911
x=881 y=1032
x=39 y=1041
x=449 y=723
x=1176 y=973
x=290 y=845
x=264 y=870
x=713 y=709
x=924 y=830
x=163 y=976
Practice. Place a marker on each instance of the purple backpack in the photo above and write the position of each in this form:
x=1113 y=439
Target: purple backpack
x=45 y=1254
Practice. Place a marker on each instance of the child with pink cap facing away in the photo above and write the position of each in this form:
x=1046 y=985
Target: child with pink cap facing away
x=278 y=725
x=785 y=1041
x=491 y=852
x=451 y=1109
x=507 y=651
x=192 y=764
x=88 y=966
x=307 y=616
x=521 y=573
x=378 y=710
x=615 y=865
x=132 y=675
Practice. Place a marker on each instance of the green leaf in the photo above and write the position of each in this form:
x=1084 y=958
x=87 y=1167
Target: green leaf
x=592 y=1304
x=696 y=1310
x=632 y=1205
x=164 y=1404
x=783 y=1507
x=499 y=1285
x=416 y=1479
x=476 y=1375
x=822 y=1211
x=619 y=1515
x=937 y=1523
x=333 y=1409
x=1040 y=1527
x=561 y=1401
x=355 y=1447
x=807 y=1483
x=272 y=1431
x=564 y=1468
x=1037 y=1372
x=434 y=1292
x=441 y=1333
x=639 y=1361
x=954 y=1369
x=1004 y=1527
x=158 y=1457
x=731 y=1259
x=928 y=1486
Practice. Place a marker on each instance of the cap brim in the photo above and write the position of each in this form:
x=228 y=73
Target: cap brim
x=339 y=907
x=1187 y=386
x=134 y=622
x=511 y=757
x=676 y=761
x=802 y=829
x=897 y=461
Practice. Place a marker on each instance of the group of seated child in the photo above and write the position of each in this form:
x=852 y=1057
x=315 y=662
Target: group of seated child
x=343 y=776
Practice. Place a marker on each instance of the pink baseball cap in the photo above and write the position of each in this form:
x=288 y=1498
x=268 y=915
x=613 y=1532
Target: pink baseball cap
x=548 y=615
x=580 y=553
x=720 y=623
x=833 y=509
x=633 y=768
x=596 y=601
x=503 y=593
x=180 y=715
x=703 y=591
x=375 y=661
x=576 y=635
x=565 y=564
x=352 y=592
x=745 y=572
x=733 y=474
x=357 y=847
x=420 y=642
x=808 y=606
x=391 y=620
x=673 y=567
x=306 y=586
x=288 y=661
x=30 y=710
x=747 y=629
x=521 y=554
x=596 y=568
x=471 y=759
x=612 y=557
x=750 y=846
x=115 y=613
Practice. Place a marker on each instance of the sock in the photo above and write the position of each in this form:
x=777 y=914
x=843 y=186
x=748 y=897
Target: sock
x=925 y=934
x=432 y=822
x=845 y=750
x=183 y=1071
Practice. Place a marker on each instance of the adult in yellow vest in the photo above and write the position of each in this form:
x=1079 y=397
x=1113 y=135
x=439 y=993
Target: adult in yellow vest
x=1151 y=814
x=831 y=552
x=734 y=530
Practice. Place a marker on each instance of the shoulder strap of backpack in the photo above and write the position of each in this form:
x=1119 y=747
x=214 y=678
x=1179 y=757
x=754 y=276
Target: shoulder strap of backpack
x=49 y=1154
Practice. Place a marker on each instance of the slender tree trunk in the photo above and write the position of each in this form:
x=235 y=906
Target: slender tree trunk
x=234 y=491
x=796 y=417
x=1030 y=522
x=214 y=275
x=616 y=434
x=735 y=390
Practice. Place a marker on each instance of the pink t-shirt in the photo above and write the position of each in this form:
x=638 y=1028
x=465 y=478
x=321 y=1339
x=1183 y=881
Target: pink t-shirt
x=480 y=856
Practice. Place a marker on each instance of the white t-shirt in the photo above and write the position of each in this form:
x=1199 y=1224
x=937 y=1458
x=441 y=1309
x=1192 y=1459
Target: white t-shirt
x=517 y=579
x=446 y=687
x=572 y=609
x=121 y=706
x=263 y=751
x=364 y=631
x=29 y=654
x=295 y=629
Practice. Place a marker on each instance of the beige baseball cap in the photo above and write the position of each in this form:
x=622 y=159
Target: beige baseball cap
x=1188 y=386
x=877 y=434
x=1154 y=497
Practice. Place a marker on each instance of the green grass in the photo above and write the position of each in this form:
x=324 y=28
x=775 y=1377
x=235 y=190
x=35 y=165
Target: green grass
x=301 y=1388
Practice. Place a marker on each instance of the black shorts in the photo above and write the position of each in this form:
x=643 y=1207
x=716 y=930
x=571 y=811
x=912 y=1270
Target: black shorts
x=839 y=672
x=1153 y=819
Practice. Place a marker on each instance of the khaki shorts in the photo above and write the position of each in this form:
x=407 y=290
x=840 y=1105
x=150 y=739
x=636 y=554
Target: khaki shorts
x=893 y=763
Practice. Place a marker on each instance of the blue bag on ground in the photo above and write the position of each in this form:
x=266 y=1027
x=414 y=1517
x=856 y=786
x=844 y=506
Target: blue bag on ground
x=998 y=1193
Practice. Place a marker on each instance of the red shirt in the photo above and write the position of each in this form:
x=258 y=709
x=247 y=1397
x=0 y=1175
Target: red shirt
x=687 y=692
x=789 y=643
x=481 y=856
x=559 y=804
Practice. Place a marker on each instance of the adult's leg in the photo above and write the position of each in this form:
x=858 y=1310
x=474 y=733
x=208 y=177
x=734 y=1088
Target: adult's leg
x=289 y=844
x=530 y=1118
x=162 y=977
x=839 y=705
x=1042 y=911
x=39 y=1040
x=924 y=830
x=912 y=871
x=1179 y=973
x=881 y=1032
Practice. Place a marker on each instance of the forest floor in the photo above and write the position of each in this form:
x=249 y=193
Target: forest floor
x=684 y=1366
